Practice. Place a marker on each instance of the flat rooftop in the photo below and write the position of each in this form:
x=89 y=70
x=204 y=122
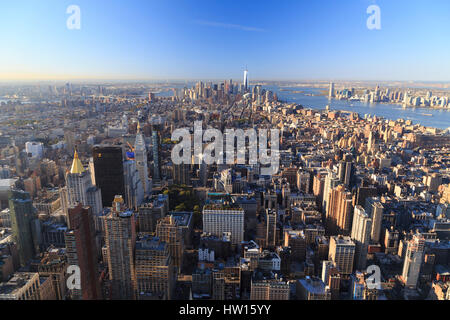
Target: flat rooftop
x=182 y=218
x=313 y=285
x=222 y=206
x=343 y=240
x=18 y=280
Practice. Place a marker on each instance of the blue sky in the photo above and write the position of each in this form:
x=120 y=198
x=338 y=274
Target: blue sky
x=196 y=39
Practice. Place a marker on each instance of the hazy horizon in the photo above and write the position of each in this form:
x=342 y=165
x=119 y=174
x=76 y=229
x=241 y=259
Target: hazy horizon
x=217 y=79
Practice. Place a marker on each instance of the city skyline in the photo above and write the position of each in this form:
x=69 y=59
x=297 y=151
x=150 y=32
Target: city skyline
x=238 y=151
x=177 y=41
x=363 y=202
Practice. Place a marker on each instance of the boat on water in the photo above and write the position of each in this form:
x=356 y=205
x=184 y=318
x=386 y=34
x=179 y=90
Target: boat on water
x=427 y=114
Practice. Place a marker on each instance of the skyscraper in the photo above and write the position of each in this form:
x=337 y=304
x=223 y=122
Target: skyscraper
x=140 y=154
x=318 y=187
x=271 y=228
x=108 y=168
x=181 y=174
x=22 y=219
x=346 y=172
x=413 y=260
x=82 y=251
x=218 y=219
x=374 y=209
x=134 y=193
x=120 y=239
x=156 y=150
x=151 y=211
x=155 y=274
x=303 y=179
x=331 y=93
x=80 y=188
x=361 y=229
x=331 y=181
x=203 y=172
x=342 y=253
x=295 y=239
x=245 y=80
x=167 y=230
x=339 y=213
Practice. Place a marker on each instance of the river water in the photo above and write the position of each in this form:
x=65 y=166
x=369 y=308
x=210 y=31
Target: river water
x=440 y=118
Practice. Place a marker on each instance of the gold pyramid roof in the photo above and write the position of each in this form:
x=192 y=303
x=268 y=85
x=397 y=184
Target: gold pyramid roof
x=77 y=166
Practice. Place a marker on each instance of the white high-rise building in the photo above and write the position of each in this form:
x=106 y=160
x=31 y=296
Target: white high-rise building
x=331 y=93
x=140 y=155
x=361 y=230
x=36 y=149
x=331 y=181
x=125 y=122
x=134 y=192
x=413 y=261
x=245 y=80
x=218 y=219
x=375 y=209
x=80 y=188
